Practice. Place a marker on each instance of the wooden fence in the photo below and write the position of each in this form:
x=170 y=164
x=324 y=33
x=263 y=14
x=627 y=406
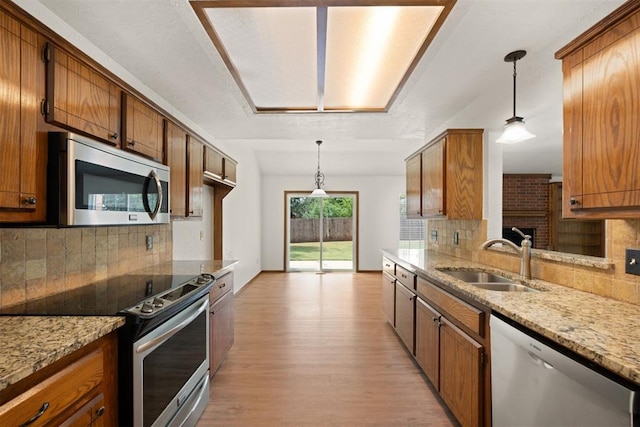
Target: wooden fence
x=308 y=230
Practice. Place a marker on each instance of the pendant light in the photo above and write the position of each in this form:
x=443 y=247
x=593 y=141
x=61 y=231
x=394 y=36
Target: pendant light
x=318 y=191
x=514 y=130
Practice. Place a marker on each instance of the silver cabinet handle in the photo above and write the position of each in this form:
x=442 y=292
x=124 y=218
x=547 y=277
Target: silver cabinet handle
x=40 y=413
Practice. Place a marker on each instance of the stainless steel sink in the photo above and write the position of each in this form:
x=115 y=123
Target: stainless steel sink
x=504 y=287
x=489 y=281
x=473 y=276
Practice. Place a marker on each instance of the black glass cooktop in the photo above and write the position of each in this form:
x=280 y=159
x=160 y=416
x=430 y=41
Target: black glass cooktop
x=103 y=298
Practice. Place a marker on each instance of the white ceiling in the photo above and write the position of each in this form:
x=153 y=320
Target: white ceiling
x=461 y=81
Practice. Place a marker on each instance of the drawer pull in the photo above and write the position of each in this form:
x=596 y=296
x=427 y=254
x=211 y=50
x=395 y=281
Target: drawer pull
x=40 y=413
x=100 y=412
x=223 y=285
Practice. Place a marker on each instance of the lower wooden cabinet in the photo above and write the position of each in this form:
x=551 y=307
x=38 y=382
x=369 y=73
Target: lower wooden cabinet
x=221 y=318
x=78 y=390
x=428 y=341
x=461 y=374
x=405 y=316
x=389 y=297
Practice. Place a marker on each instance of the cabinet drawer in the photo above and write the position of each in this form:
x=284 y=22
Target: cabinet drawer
x=222 y=285
x=388 y=266
x=406 y=277
x=466 y=314
x=57 y=393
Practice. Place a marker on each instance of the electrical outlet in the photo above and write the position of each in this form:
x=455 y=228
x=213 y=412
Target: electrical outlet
x=632 y=261
x=149 y=241
x=456 y=237
x=201 y=235
x=434 y=235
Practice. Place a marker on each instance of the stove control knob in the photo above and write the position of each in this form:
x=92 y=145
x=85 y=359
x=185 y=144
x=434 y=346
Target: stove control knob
x=157 y=303
x=204 y=278
x=147 y=308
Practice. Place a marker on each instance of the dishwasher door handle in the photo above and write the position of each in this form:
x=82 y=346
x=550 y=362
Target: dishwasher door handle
x=539 y=361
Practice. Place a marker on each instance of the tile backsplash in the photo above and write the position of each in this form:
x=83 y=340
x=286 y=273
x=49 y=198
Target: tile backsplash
x=35 y=262
x=611 y=283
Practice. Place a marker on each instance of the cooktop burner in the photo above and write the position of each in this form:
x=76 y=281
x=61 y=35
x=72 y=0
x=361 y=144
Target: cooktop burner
x=141 y=295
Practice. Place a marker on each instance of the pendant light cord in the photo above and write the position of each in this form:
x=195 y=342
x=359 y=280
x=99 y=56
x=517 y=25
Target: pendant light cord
x=514 y=87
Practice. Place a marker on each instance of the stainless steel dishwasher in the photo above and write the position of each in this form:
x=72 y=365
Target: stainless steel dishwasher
x=534 y=384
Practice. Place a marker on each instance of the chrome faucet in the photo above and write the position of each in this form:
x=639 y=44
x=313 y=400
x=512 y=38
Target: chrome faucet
x=524 y=251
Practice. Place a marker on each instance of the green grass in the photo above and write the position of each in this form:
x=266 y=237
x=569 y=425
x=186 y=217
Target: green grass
x=335 y=251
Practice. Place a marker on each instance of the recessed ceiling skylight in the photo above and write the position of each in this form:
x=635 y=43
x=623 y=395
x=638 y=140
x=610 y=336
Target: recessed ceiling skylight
x=349 y=56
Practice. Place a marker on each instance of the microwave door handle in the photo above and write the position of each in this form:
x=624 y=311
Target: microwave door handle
x=155 y=177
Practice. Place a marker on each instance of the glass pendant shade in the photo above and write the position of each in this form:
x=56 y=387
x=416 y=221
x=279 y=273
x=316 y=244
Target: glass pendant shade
x=514 y=132
x=318 y=192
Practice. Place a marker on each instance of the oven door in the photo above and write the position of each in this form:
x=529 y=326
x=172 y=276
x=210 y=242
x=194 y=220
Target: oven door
x=171 y=369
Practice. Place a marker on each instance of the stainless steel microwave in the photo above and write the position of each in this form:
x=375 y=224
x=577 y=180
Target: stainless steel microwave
x=91 y=183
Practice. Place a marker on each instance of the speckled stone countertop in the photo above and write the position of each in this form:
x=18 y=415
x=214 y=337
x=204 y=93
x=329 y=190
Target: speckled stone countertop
x=602 y=330
x=29 y=343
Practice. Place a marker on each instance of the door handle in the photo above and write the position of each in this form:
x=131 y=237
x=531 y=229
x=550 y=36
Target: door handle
x=155 y=211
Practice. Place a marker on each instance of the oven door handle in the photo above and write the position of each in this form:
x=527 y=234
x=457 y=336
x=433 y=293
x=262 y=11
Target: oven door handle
x=149 y=344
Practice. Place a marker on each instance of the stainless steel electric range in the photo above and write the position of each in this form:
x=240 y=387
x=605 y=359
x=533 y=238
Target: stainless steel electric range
x=163 y=365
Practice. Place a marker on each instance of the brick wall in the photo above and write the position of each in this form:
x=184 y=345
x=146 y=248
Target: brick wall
x=525 y=197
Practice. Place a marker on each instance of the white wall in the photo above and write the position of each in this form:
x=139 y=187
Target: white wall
x=379 y=220
x=187 y=242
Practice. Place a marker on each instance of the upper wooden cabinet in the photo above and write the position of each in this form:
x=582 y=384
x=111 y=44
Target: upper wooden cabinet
x=218 y=167
x=185 y=158
x=19 y=108
x=448 y=174
x=194 y=178
x=414 y=186
x=142 y=128
x=176 y=139
x=601 y=104
x=80 y=98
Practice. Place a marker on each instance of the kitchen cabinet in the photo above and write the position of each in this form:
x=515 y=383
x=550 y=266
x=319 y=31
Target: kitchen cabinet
x=405 y=316
x=218 y=167
x=451 y=357
x=184 y=157
x=19 y=108
x=195 y=184
x=79 y=98
x=142 y=128
x=78 y=390
x=601 y=103
x=450 y=177
x=389 y=297
x=428 y=341
x=221 y=320
x=414 y=186
x=176 y=138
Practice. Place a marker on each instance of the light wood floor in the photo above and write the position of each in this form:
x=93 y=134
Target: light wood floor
x=315 y=350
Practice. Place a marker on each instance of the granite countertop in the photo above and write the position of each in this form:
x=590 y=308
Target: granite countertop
x=600 y=329
x=29 y=343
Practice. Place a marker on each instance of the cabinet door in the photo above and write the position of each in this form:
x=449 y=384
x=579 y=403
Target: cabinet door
x=221 y=330
x=229 y=171
x=91 y=414
x=81 y=98
x=405 y=315
x=213 y=163
x=433 y=183
x=428 y=341
x=177 y=161
x=143 y=128
x=194 y=179
x=611 y=100
x=389 y=297
x=461 y=374
x=414 y=186
x=18 y=115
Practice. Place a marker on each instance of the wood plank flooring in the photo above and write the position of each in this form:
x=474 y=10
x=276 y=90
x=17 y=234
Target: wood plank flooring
x=315 y=350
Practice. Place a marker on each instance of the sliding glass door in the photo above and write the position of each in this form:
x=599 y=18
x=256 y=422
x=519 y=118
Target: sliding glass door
x=321 y=232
